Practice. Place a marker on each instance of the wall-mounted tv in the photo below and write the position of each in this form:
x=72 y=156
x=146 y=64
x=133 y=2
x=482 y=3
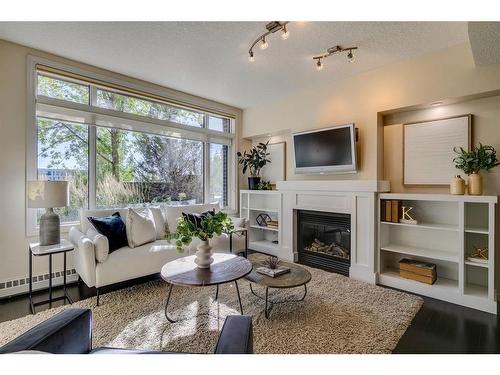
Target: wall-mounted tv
x=330 y=150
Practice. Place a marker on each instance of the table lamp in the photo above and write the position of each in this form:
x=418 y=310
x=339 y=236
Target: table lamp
x=48 y=194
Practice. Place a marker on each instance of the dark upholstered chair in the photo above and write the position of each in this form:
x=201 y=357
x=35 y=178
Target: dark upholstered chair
x=70 y=332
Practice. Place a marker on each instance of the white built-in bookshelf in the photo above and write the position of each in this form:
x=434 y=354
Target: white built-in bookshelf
x=260 y=238
x=449 y=226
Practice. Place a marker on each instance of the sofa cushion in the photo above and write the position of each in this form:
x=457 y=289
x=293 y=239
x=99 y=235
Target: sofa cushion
x=113 y=228
x=101 y=244
x=127 y=263
x=160 y=224
x=140 y=227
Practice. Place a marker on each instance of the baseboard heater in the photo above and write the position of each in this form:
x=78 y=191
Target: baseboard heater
x=12 y=287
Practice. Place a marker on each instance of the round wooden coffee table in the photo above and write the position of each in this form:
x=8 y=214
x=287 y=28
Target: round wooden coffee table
x=226 y=268
x=298 y=276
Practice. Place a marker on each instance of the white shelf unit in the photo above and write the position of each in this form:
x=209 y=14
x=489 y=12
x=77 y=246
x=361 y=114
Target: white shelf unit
x=448 y=228
x=254 y=202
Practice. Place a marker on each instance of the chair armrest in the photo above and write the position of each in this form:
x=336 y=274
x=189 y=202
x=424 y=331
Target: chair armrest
x=236 y=336
x=83 y=256
x=69 y=332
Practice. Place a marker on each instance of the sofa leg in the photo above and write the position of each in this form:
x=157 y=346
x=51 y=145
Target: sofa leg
x=97 y=289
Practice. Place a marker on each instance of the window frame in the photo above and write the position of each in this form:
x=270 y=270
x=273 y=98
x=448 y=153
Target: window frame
x=132 y=121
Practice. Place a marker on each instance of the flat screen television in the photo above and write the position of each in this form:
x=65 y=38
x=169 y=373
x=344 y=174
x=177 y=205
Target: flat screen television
x=330 y=150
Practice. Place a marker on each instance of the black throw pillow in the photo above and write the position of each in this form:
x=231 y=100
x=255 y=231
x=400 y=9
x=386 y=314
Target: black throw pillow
x=113 y=228
x=197 y=218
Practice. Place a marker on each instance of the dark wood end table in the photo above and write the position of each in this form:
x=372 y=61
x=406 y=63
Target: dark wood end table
x=238 y=231
x=226 y=268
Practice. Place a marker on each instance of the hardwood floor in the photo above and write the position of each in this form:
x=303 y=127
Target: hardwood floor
x=439 y=327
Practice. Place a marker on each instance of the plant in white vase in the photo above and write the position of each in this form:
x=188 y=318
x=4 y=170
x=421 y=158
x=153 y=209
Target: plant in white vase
x=472 y=162
x=203 y=226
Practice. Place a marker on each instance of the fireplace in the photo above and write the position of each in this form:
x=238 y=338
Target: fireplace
x=324 y=240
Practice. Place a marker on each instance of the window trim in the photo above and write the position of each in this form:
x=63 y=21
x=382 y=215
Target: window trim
x=171 y=96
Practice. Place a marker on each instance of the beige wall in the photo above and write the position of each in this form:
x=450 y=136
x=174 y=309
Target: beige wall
x=485 y=129
x=13 y=77
x=444 y=74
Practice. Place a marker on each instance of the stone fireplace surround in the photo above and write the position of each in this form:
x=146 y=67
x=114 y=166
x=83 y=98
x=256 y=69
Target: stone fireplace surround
x=354 y=197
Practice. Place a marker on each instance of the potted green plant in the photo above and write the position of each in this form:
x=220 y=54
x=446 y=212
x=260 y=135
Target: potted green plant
x=203 y=226
x=472 y=162
x=253 y=161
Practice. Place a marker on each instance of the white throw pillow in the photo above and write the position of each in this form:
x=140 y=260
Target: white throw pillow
x=101 y=244
x=140 y=228
x=160 y=224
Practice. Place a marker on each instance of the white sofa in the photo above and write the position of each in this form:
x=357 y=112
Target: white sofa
x=129 y=263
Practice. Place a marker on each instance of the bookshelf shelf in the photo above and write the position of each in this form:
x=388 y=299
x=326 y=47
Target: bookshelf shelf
x=448 y=229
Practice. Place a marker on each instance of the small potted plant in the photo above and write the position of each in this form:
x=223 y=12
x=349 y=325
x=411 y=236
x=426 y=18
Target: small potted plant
x=253 y=161
x=472 y=162
x=203 y=226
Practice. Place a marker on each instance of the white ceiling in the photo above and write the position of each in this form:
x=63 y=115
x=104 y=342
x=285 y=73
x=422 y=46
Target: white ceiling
x=210 y=59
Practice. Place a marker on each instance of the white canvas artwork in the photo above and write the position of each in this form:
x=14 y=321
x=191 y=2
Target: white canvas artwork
x=428 y=150
x=275 y=171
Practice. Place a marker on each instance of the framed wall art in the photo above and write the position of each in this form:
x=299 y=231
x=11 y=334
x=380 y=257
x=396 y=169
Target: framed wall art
x=428 y=149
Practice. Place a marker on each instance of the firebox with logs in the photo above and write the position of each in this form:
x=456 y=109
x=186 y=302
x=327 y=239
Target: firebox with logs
x=324 y=240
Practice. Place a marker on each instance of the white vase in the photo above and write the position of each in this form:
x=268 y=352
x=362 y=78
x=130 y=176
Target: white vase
x=204 y=255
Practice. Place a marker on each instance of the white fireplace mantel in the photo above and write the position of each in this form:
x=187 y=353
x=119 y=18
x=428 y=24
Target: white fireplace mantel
x=376 y=186
x=355 y=197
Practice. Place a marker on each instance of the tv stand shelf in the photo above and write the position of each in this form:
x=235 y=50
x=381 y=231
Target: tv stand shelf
x=448 y=229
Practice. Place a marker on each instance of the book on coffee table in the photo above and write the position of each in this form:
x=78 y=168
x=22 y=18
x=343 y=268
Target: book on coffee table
x=273 y=272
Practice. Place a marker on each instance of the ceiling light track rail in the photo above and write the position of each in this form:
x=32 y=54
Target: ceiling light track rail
x=272 y=27
x=332 y=51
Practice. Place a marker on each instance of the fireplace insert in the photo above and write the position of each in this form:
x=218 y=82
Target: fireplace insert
x=324 y=240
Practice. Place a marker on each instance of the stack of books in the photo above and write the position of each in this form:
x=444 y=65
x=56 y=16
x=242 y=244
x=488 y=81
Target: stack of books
x=273 y=224
x=418 y=271
x=390 y=210
x=273 y=272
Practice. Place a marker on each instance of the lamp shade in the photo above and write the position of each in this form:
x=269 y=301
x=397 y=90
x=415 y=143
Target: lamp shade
x=47 y=194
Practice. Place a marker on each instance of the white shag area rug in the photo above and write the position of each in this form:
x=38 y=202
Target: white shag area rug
x=339 y=315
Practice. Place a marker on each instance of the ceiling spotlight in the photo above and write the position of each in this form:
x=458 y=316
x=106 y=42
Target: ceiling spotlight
x=264 y=44
x=350 y=56
x=285 y=33
x=319 y=65
x=331 y=51
x=251 y=57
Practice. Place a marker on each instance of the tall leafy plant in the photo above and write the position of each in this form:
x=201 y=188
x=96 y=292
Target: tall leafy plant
x=255 y=159
x=479 y=158
x=203 y=226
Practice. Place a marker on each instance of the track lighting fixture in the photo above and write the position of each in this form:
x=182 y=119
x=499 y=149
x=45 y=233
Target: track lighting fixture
x=271 y=27
x=331 y=51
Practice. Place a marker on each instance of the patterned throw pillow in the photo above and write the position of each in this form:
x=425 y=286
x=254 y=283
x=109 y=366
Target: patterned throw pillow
x=196 y=219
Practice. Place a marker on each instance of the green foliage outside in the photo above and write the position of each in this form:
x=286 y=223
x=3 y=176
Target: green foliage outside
x=131 y=167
